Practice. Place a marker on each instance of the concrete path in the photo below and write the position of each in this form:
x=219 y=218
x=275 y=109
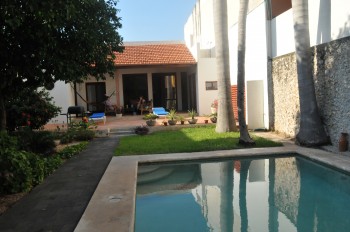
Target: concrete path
x=59 y=202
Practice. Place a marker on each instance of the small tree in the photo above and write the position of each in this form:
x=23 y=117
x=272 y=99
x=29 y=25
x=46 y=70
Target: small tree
x=30 y=108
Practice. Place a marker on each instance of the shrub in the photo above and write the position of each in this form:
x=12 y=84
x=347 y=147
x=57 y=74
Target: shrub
x=41 y=142
x=37 y=165
x=70 y=151
x=141 y=130
x=84 y=135
x=7 y=141
x=30 y=108
x=15 y=171
x=51 y=164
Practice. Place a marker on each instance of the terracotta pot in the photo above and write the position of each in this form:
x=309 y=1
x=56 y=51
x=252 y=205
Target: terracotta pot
x=343 y=142
x=206 y=121
x=182 y=122
x=165 y=123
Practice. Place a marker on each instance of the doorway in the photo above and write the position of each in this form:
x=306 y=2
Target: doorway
x=95 y=96
x=134 y=86
x=164 y=90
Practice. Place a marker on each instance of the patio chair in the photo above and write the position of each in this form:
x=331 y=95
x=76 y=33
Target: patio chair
x=98 y=116
x=146 y=106
x=160 y=111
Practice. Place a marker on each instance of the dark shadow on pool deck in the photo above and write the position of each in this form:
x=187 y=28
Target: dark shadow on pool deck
x=59 y=202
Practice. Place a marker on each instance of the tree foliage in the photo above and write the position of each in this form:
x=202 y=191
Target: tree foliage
x=42 y=42
x=30 y=108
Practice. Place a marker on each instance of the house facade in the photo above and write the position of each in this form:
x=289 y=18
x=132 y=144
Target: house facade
x=272 y=99
x=164 y=72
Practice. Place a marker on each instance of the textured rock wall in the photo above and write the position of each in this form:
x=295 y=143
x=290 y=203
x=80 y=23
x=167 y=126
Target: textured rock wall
x=331 y=64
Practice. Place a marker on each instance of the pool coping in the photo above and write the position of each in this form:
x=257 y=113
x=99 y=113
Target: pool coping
x=112 y=206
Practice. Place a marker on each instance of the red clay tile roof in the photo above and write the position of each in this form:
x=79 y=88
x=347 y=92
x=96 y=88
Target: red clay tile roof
x=155 y=54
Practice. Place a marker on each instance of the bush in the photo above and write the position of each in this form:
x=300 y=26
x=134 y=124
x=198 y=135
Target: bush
x=84 y=135
x=51 y=164
x=141 y=130
x=70 y=151
x=15 y=171
x=30 y=108
x=21 y=170
x=37 y=165
x=41 y=142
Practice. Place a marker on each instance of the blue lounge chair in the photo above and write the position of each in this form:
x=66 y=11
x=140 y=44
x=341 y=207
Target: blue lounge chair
x=159 y=111
x=98 y=116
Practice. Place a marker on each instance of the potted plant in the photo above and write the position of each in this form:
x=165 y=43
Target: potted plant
x=214 y=106
x=118 y=111
x=213 y=117
x=172 y=117
x=150 y=119
x=192 y=113
x=182 y=119
x=206 y=120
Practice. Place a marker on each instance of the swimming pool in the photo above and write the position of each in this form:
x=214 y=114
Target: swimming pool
x=273 y=194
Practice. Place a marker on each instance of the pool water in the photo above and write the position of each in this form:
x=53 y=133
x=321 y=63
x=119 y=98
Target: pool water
x=275 y=194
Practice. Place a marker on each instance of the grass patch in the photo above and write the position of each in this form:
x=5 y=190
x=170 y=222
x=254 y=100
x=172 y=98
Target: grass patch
x=184 y=140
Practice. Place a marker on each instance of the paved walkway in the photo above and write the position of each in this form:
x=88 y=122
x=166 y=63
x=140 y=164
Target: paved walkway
x=59 y=202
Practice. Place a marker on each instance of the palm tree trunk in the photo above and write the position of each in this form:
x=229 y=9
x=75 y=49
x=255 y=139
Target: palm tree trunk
x=244 y=138
x=226 y=121
x=311 y=132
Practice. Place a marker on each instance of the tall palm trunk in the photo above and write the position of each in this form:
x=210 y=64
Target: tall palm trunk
x=311 y=132
x=244 y=137
x=226 y=121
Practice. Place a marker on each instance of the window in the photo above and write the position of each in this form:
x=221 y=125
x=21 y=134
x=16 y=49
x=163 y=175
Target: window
x=211 y=85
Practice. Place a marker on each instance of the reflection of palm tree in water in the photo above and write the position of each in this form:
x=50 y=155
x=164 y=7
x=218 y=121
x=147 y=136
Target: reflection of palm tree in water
x=242 y=194
x=226 y=193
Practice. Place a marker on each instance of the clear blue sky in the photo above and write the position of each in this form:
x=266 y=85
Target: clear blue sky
x=154 y=20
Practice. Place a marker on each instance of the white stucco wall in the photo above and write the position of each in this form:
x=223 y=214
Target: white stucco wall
x=328 y=20
x=62 y=97
x=206 y=72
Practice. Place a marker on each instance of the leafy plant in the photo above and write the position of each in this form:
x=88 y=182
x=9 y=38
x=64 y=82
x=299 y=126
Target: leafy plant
x=15 y=171
x=31 y=109
x=192 y=113
x=181 y=118
x=141 y=130
x=70 y=151
x=41 y=142
x=150 y=116
x=172 y=115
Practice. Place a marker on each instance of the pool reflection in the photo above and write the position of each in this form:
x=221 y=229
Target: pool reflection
x=282 y=194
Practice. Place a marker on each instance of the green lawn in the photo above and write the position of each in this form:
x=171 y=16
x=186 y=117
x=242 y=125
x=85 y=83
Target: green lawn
x=184 y=140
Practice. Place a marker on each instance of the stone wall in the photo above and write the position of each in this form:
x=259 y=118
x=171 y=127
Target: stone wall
x=331 y=69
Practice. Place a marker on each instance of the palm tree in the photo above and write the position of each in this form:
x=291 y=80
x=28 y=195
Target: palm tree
x=226 y=121
x=311 y=132
x=244 y=137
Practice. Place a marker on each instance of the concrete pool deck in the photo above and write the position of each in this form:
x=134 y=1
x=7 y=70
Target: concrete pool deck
x=112 y=206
